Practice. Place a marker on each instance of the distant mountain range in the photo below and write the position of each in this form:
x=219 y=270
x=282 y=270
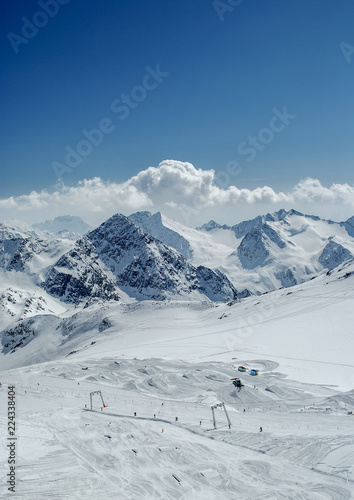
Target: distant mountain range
x=151 y=257
x=268 y=252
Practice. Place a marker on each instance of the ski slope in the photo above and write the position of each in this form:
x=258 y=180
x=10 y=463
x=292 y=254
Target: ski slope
x=163 y=360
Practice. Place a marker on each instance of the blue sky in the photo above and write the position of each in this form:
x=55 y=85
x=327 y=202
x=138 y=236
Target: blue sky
x=227 y=73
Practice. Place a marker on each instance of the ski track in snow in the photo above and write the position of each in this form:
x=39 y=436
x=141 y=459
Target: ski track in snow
x=68 y=451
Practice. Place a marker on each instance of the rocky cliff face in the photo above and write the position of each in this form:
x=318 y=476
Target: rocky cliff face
x=333 y=255
x=80 y=275
x=254 y=249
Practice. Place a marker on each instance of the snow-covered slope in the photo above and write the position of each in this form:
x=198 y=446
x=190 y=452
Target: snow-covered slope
x=29 y=252
x=160 y=366
x=25 y=257
x=19 y=303
x=204 y=248
x=311 y=321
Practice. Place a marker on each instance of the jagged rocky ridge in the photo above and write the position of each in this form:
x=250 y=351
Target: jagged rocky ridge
x=119 y=255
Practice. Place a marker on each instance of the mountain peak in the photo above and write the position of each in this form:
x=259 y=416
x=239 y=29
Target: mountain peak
x=120 y=255
x=209 y=226
x=155 y=224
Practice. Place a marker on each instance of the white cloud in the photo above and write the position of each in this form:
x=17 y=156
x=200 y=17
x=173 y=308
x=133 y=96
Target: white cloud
x=311 y=190
x=173 y=186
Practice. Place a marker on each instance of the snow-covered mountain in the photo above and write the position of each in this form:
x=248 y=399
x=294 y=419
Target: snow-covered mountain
x=160 y=365
x=140 y=265
x=25 y=258
x=265 y=253
x=349 y=226
x=80 y=275
x=23 y=300
x=311 y=321
x=156 y=361
x=151 y=257
x=282 y=249
x=29 y=251
x=65 y=225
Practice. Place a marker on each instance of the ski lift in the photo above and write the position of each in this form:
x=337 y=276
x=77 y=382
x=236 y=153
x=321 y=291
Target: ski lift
x=100 y=394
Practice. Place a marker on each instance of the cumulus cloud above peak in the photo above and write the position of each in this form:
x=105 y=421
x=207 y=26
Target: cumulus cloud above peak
x=173 y=184
x=173 y=178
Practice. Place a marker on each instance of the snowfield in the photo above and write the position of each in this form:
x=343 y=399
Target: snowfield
x=169 y=362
